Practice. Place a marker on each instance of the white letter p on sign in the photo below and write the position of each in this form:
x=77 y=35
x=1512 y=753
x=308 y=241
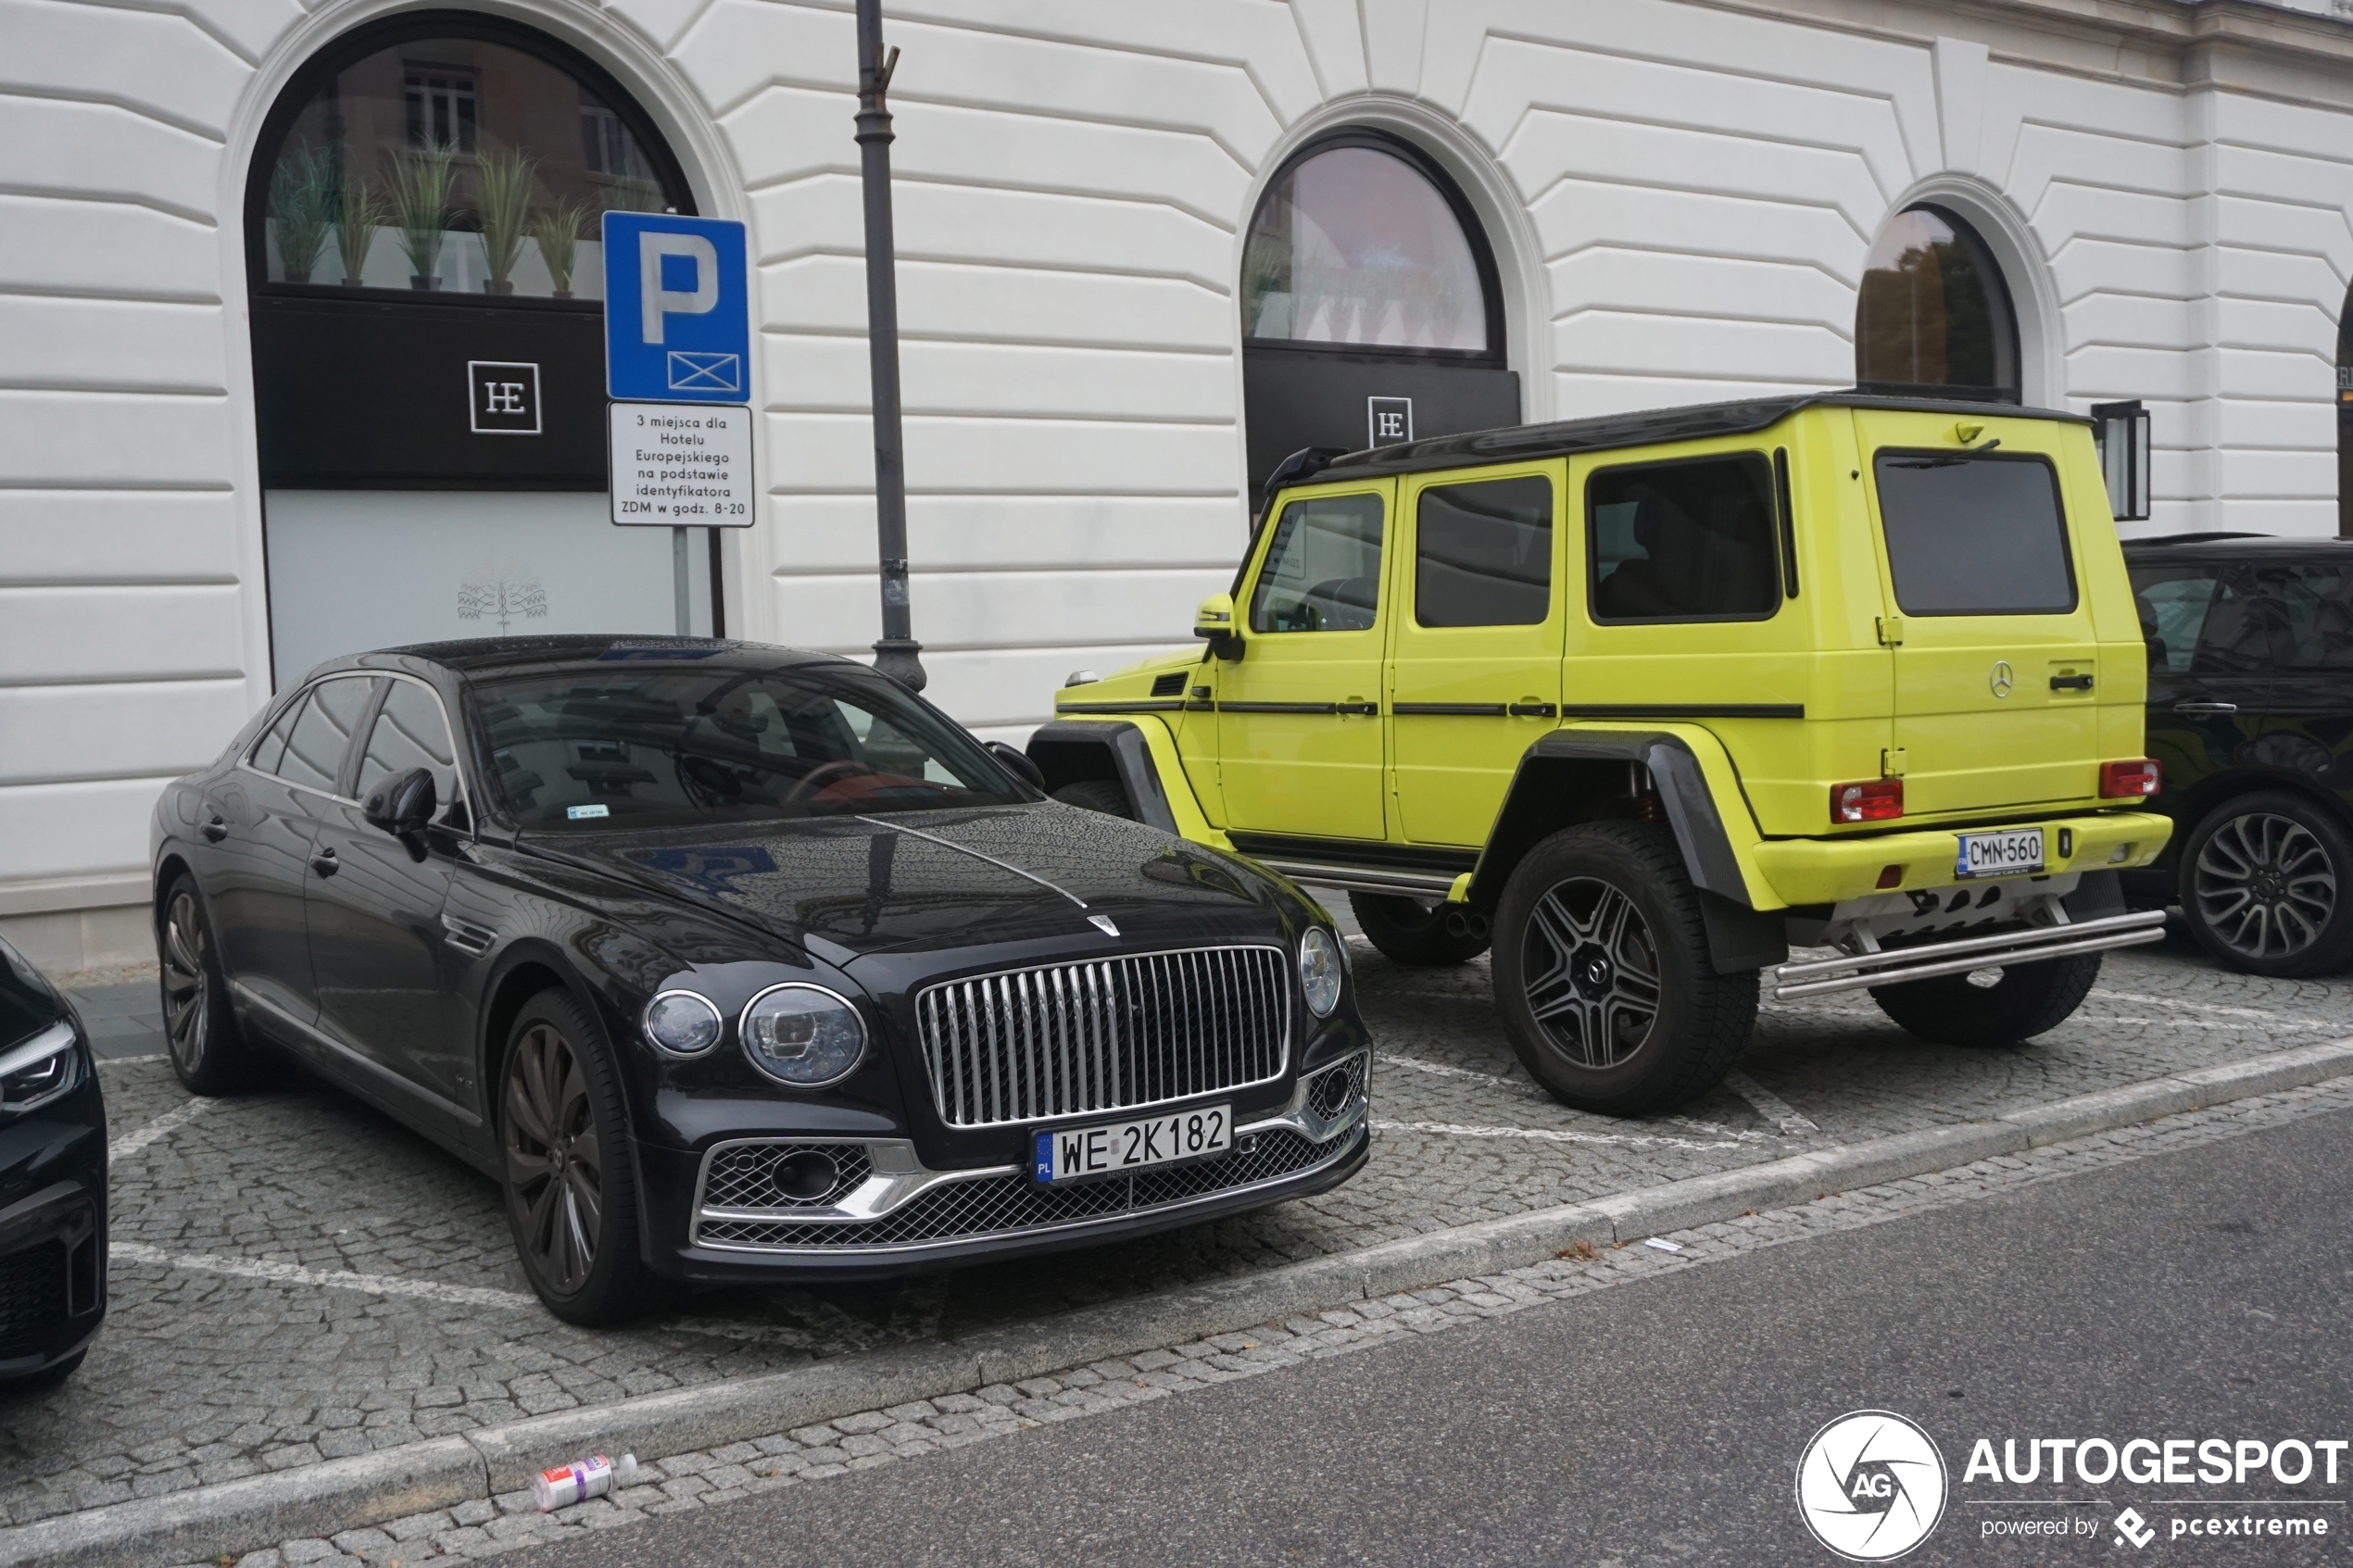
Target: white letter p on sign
x=655 y=301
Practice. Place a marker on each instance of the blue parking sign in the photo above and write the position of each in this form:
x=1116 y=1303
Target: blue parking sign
x=677 y=309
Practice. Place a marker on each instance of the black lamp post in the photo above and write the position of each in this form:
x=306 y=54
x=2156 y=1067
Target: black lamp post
x=897 y=655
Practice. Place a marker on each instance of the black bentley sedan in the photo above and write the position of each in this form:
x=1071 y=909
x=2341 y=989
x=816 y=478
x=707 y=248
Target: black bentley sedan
x=53 y=1183
x=733 y=963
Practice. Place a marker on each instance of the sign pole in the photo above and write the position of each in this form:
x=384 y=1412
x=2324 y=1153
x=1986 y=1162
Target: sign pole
x=680 y=576
x=898 y=654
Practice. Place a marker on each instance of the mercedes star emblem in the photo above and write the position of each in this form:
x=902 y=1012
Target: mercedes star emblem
x=2000 y=679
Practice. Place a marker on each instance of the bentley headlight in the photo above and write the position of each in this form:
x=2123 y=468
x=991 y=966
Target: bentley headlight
x=39 y=1070
x=1319 y=971
x=683 y=1023
x=803 y=1035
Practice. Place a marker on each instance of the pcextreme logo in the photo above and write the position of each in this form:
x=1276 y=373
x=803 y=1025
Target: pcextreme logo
x=1872 y=1486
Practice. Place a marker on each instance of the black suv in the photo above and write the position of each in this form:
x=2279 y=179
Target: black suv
x=2250 y=645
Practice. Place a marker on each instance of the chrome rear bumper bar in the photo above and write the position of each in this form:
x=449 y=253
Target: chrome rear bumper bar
x=1817 y=978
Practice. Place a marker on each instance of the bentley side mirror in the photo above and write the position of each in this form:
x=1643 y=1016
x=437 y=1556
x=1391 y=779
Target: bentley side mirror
x=1214 y=622
x=1016 y=761
x=401 y=804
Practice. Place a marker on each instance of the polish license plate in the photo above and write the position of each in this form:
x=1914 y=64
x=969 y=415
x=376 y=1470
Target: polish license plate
x=2000 y=854
x=1068 y=1154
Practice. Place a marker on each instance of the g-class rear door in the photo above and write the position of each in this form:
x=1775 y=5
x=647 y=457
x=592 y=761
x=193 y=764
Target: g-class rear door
x=1999 y=677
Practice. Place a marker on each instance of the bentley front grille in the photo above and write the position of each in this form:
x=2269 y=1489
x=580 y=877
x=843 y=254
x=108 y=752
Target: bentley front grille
x=1032 y=1045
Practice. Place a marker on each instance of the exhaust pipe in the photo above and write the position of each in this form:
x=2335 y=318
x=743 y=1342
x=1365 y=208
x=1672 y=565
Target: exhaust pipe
x=1465 y=922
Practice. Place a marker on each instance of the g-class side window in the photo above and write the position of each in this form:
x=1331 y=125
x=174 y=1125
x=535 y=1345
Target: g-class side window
x=1323 y=569
x=1483 y=552
x=1975 y=535
x=1688 y=540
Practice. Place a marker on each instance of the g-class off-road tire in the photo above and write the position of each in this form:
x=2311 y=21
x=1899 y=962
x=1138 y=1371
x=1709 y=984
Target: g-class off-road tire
x=2018 y=1002
x=1603 y=973
x=1413 y=931
x=1097 y=795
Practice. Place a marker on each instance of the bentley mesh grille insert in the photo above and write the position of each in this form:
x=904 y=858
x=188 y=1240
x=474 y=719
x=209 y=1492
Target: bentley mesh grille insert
x=32 y=1290
x=745 y=1176
x=1336 y=1088
x=1033 y=1045
x=1009 y=1205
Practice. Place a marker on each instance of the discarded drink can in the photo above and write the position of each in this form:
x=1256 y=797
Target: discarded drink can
x=580 y=1480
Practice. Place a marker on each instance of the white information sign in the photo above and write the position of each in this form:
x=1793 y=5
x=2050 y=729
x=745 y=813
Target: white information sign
x=682 y=465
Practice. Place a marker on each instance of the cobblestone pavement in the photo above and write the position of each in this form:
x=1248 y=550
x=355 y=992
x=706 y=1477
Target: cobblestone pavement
x=296 y=1278
x=875 y=1438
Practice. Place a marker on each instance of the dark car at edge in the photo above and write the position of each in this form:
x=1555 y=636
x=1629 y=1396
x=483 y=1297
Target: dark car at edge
x=53 y=1182
x=736 y=964
x=2251 y=712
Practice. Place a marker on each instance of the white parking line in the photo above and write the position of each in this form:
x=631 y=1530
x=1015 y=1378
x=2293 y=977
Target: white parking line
x=1549 y=1135
x=332 y=1279
x=171 y=1120
x=1769 y=1105
x=1443 y=1069
x=2263 y=1013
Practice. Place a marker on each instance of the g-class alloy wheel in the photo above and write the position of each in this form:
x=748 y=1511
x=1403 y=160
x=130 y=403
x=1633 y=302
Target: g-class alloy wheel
x=1603 y=973
x=2265 y=885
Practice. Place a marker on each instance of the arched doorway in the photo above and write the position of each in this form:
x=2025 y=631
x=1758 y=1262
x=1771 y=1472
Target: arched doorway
x=1934 y=317
x=422 y=223
x=1370 y=311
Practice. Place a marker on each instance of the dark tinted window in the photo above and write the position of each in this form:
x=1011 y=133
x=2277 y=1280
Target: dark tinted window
x=648 y=747
x=2317 y=613
x=322 y=736
x=1975 y=535
x=1483 y=554
x=2173 y=602
x=270 y=749
x=410 y=734
x=1323 y=570
x=1688 y=541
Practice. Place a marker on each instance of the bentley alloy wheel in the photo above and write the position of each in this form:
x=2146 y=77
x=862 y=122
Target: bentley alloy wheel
x=1603 y=973
x=2262 y=886
x=200 y=1033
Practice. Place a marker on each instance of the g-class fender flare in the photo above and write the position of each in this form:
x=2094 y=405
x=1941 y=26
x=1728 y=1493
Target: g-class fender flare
x=1573 y=776
x=1069 y=752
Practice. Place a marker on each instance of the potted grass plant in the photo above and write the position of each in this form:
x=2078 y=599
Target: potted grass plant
x=502 y=203
x=556 y=230
x=302 y=208
x=421 y=183
x=359 y=212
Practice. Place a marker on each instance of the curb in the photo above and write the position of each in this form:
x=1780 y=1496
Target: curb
x=325 y=1499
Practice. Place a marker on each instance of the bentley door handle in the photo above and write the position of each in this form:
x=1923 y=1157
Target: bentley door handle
x=216 y=830
x=325 y=863
x=2206 y=708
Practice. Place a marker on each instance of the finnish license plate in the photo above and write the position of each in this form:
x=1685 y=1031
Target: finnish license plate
x=1067 y=1154
x=2000 y=854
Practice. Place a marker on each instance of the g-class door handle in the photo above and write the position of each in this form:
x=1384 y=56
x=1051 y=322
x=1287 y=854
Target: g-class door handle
x=1369 y=709
x=325 y=863
x=1533 y=710
x=216 y=830
x=2206 y=708
x=2070 y=683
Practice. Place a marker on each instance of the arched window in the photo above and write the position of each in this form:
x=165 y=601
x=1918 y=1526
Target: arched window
x=451 y=154
x=1934 y=316
x=1369 y=307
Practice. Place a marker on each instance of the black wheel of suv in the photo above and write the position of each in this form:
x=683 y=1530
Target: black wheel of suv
x=1412 y=931
x=1990 y=1006
x=571 y=1197
x=1096 y=795
x=1602 y=974
x=2267 y=884
x=209 y=1053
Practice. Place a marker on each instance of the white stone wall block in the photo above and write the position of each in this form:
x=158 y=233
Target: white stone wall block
x=2245 y=423
x=732 y=49
x=1046 y=456
x=1395 y=34
x=2072 y=211
x=830 y=374
x=964 y=303
x=150 y=62
x=1010 y=689
x=48 y=340
x=998 y=609
x=51 y=244
x=2084 y=266
x=836 y=533
x=1609 y=277
x=51 y=146
x=2107 y=372
x=2273 y=324
x=51 y=635
x=55 y=734
x=80 y=829
x=1582 y=394
x=1960 y=66
x=1580 y=213
x=1551 y=145
x=2131 y=321
x=1667 y=344
x=2312 y=230
x=2261 y=474
x=2068 y=157
x=126 y=535
x=2318 y=176
x=2277 y=376
x=1332 y=35
x=788 y=132
x=2286 y=277
x=72 y=439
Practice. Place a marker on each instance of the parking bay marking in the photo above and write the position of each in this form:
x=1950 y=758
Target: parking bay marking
x=1530 y=1091
x=164 y=1125
x=335 y=1279
x=1550 y=1135
x=1769 y=1105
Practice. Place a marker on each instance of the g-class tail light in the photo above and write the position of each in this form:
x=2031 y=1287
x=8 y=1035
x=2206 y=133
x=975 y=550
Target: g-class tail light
x=2135 y=780
x=1874 y=800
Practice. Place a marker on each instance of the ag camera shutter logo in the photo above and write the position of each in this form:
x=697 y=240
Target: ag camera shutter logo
x=1872 y=1486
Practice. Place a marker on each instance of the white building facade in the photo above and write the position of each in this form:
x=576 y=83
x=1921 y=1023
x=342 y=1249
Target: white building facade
x=218 y=461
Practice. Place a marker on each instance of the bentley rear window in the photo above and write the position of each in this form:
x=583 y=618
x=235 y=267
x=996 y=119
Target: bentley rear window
x=1975 y=535
x=641 y=746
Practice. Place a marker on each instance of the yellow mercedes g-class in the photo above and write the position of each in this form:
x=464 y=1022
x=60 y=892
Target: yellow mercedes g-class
x=1647 y=699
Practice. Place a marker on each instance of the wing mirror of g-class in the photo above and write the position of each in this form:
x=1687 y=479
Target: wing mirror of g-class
x=1214 y=622
x=401 y=804
x=1016 y=762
